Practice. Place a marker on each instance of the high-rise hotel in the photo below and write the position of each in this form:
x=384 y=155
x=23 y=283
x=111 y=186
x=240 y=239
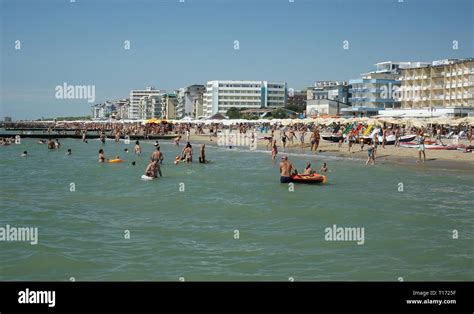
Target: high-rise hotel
x=443 y=83
x=220 y=96
x=375 y=91
x=137 y=99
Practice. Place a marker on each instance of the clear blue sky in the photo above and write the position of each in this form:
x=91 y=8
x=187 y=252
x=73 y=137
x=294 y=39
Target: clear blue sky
x=175 y=44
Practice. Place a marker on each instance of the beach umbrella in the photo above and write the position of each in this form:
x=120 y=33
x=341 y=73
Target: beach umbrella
x=466 y=120
x=152 y=121
x=418 y=123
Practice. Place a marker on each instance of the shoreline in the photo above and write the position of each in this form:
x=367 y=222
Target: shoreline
x=435 y=159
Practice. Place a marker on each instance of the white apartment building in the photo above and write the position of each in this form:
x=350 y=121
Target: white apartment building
x=149 y=107
x=122 y=108
x=198 y=106
x=136 y=96
x=220 y=96
x=185 y=100
x=443 y=83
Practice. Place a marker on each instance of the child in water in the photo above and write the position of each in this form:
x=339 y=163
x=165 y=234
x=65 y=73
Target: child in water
x=324 y=168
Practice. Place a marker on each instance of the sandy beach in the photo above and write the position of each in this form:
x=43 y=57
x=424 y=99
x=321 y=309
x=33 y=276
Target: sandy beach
x=447 y=159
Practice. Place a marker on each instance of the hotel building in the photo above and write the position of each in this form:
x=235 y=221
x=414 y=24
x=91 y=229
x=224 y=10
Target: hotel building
x=220 y=96
x=122 y=108
x=169 y=103
x=443 y=83
x=333 y=90
x=102 y=111
x=136 y=96
x=149 y=107
x=185 y=100
x=198 y=106
x=375 y=90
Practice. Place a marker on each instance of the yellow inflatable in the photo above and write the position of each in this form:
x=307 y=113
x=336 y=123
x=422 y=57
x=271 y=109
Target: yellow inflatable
x=114 y=161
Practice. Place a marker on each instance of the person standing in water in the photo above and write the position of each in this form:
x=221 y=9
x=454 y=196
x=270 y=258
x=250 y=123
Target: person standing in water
x=176 y=140
x=274 y=150
x=101 y=155
x=188 y=154
x=102 y=137
x=202 y=154
x=286 y=168
x=370 y=155
x=157 y=155
x=137 y=149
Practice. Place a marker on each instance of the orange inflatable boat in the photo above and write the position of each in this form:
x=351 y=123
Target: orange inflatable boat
x=308 y=179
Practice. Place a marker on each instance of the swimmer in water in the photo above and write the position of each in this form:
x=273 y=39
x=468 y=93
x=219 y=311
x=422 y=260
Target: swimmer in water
x=151 y=169
x=137 y=149
x=126 y=150
x=133 y=163
x=274 y=150
x=69 y=151
x=176 y=140
x=202 y=154
x=25 y=154
x=101 y=155
x=51 y=144
x=324 y=168
x=308 y=170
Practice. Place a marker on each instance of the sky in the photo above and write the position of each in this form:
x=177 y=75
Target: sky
x=175 y=44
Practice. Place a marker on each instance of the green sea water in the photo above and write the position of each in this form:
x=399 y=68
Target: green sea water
x=185 y=224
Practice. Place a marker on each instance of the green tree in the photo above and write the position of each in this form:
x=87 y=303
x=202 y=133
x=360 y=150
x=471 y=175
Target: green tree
x=234 y=113
x=279 y=113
